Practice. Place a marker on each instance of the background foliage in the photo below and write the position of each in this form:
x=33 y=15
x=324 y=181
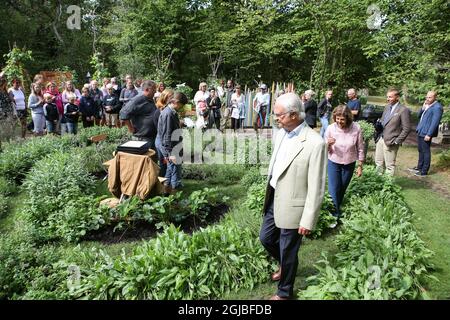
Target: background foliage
x=317 y=44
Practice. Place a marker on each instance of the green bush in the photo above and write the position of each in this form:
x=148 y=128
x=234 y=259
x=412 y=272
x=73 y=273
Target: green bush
x=7 y=188
x=254 y=175
x=166 y=210
x=326 y=219
x=368 y=130
x=443 y=159
x=206 y=265
x=60 y=204
x=380 y=254
x=370 y=182
x=31 y=272
x=93 y=157
x=18 y=158
x=213 y=173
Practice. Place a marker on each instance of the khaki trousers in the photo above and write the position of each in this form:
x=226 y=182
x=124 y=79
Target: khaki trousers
x=385 y=157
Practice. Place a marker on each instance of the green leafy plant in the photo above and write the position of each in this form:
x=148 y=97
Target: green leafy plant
x=380 y=254
x=208 y=264
x=16 y=60
x=60 y=204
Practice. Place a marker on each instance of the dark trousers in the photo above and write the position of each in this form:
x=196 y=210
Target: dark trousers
x=283 y=246
x=339 y=177
x=424 y=155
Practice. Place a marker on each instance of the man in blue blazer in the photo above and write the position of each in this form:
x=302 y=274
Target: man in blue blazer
x=429 y=117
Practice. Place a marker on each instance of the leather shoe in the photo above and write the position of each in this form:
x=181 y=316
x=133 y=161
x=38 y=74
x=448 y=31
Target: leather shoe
x=276 y=275
x=277 y=297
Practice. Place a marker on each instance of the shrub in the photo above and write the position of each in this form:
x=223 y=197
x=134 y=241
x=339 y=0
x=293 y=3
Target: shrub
x=206 y=265
x=253 y=176
x=17 y=159
x=213 y=173
x=326 y=219
x=28 y=271
x=443 y=159
x=380 y=254
x=368 y=130
x=60 y=204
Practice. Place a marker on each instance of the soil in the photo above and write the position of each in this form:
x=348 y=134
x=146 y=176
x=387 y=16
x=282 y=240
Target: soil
x=142 y=230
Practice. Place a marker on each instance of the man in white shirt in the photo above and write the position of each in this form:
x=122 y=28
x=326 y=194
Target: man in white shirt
x=261 y=103
x=295 y=190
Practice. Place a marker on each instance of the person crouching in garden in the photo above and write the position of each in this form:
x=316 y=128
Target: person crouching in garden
x=171 y=147
x=51 y=113
x=345 y=147
x=71 y=114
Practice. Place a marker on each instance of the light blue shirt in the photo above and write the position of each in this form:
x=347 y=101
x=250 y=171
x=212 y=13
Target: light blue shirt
x=286 y=144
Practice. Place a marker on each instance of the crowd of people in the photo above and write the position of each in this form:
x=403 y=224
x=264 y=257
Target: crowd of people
x=302 y=160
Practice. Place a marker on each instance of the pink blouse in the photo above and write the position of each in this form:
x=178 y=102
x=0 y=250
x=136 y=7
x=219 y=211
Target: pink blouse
x=349 y=145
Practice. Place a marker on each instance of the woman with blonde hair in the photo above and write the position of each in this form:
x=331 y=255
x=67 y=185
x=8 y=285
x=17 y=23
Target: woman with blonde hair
x=162 y=102
x=69 y=89
x=164 y=98
x=36 y=105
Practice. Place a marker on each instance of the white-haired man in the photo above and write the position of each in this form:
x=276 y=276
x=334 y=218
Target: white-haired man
x=295 y=190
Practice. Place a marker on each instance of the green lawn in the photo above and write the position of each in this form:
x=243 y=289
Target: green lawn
x=432 y=220
x=381 y=100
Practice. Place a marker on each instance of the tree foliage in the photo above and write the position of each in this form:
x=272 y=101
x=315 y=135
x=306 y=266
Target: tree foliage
x=317 y=44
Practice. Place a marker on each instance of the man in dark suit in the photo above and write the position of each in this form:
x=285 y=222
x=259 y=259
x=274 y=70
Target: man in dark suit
x=429 y=117
x=396 y=122
x=310 y=109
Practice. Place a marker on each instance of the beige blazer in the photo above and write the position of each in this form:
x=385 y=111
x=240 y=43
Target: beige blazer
x=300 y=188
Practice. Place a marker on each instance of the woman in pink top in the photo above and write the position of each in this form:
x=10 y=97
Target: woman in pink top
x=345 y=147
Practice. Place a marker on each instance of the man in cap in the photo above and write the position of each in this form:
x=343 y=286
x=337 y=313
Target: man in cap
x=260 y=104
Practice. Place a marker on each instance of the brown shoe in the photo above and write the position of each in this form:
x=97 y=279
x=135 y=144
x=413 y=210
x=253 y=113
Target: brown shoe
x=277 y=297
x=276 y=275
x=167 y=190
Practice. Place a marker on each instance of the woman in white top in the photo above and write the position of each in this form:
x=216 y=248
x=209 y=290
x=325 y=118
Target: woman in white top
x=200 y=97
x=68 y=90
x=18 y=96
x=237 y=108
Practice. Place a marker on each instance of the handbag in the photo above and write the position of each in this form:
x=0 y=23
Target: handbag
x=235 y=113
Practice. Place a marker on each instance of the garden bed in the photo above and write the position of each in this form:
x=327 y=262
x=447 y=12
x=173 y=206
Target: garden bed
x=143 y=230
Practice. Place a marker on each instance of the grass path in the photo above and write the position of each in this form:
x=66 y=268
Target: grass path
x=432 y=220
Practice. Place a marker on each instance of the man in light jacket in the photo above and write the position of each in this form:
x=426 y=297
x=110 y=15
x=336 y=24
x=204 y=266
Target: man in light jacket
x=396 y=124
x=295 y=190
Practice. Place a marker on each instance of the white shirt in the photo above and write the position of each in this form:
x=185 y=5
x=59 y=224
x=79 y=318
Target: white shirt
x=19 y=99
x=286 y=144
x=200 y=96
x=220 y=92
x=393 y=107
x=261 y=100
